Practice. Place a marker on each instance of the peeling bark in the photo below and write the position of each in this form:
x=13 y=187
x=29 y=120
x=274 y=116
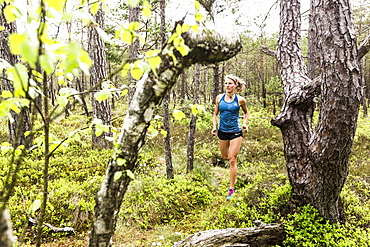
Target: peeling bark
x=206 y=47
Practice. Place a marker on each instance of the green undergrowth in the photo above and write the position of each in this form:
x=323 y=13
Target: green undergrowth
x=158 y=212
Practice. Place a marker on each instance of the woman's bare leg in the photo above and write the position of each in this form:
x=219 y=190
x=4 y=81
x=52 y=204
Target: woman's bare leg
x=234 y=148
x=224 y=148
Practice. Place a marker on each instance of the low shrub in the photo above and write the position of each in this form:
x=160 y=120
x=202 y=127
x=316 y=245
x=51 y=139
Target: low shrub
x=308 y=228
x=156 y=200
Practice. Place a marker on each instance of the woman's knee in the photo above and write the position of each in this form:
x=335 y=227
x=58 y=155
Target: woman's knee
x=232 y=161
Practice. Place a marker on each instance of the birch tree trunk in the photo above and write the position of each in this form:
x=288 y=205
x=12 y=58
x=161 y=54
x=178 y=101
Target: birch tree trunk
x=98 y=72
x=317 y=159
x=224 y=43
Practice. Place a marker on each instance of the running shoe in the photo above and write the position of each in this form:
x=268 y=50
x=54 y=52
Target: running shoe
x=230 y=193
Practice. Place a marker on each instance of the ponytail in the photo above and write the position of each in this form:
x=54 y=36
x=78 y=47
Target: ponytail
x=240 y=84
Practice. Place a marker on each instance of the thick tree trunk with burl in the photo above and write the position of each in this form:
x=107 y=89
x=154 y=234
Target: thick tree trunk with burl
x=317 y=159
x=207 y=46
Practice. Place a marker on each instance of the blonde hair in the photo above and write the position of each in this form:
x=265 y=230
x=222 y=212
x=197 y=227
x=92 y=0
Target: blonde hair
x=240 y=84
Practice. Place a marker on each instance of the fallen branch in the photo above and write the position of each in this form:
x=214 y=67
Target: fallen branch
x=263 y=235
x=52 y=228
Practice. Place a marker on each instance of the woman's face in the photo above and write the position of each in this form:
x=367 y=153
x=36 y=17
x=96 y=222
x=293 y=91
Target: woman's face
x=229 y=85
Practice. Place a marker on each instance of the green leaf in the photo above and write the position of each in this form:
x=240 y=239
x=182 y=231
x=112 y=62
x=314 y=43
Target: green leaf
x=197 y=5
x=177 y=41
x=195 y=28
x=185 y=28
x=102 y=95
x=19 y=75
x=99 y=127
x=95 y=7
x=77 y=57
x=136 y=73
x=198 y=17
x=133 y=3
x=36 y=204
x=117 y=175
x=138 y=69
x=194 y=109
x=178 y=29
x=62 y=100
x=125 y=69
x=154 y=62
x=178 y=115
x=146 y=9
x=11 y=13
x=2 y=28
x=134 y=26
x=58 y=5
x=130 y=174
x=128 y=37
x=163 y=133
x=184 y=50
x=173 y=36
x=6 y=94
x=121 y=162
x=21 y=45
x=124 y=92
x=16 y=41
x=47 y=63
x=152 y=132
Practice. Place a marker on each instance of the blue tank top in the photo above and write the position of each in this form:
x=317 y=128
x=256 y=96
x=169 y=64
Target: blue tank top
x=229 y=115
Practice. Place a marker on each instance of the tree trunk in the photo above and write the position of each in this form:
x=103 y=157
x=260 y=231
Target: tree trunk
x=6 y=230
x=193 y=124
x=166 y=102
x=182 y=88
x=148 y=96
x=363 y=85
x=216 y=82
x=133 y=49
x=317 y=160
x=98 y=72
x=17 y=125
x=313 y=58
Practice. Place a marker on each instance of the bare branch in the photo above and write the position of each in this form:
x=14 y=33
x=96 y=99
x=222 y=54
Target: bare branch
x=364 y=47
x=268 y=51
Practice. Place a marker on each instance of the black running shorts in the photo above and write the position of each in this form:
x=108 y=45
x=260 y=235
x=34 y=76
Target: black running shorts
x=229 y=136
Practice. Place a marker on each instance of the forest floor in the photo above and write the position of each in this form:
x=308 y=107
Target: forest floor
x=199 y=201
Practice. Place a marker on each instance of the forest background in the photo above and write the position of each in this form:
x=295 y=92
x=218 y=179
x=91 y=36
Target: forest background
x=163 y=211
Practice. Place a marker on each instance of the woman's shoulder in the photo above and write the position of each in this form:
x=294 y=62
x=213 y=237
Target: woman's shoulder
x=241 y=98
x=218 y=97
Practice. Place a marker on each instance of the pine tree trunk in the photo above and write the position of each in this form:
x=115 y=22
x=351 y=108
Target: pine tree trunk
x=216 y=82
x=148 y=96
x=317 y=160
x=166 y=102
x=193 y=124
x=98 y=72
x=18 y=125
x=133 y=49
